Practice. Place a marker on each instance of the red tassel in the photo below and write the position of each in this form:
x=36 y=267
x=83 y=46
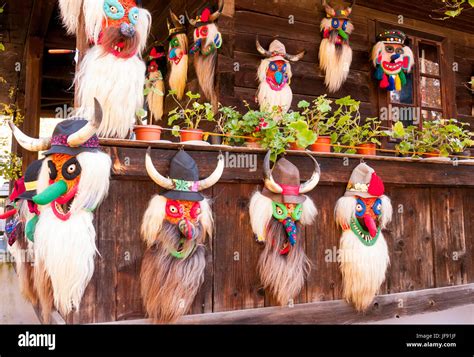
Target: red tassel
x=376 y=187
x=384 y=82
x=205 y=15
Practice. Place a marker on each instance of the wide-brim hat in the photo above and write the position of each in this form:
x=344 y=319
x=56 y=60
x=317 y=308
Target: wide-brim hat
x=62 y=131
x=287 y=176
x=185 y=173
x=365 y=183
x=31 y=180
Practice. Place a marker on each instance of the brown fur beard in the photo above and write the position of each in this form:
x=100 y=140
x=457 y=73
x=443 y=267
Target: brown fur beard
x=178 y=76
x=283 y=275
x=111 y=36
x=25 y=270
x=205 y=71
x=168 y=284
x=44 y=289
x=156 y=100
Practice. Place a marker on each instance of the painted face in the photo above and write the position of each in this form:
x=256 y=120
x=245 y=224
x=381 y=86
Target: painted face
x=277 y=74
x=184 y=214
x=393 y=58
x=287 y=214
x=175 y=52
x=64 y=177
x=119 y=27
x=368 y=212
x=340 y=27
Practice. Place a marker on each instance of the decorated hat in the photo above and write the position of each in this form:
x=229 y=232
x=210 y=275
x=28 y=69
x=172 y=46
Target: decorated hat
x=277 y=51
x=365 y=183
x=205 y=15
x=392 y=36
x=18 y=189
x=282 y=183
x=31 y=180
x=183 y=181
x=342 y=14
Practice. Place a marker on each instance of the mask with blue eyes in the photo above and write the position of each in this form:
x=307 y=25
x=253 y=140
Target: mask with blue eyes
x=277 y=74
x=368 y=212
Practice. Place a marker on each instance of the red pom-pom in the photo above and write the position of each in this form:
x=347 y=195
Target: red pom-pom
x=384 y=82
x=376 y=187
x=206 y=14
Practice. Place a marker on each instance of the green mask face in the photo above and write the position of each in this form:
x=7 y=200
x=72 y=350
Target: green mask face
x=282 y=211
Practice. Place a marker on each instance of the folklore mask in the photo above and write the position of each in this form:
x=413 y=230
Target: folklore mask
x=207 y=40
x=174 y=229
x=274 y=75
x=155 y=84
x=335 y=53
x=73 y=180
x=276 y=215
x=112 y=70
x=177 y=56
x=392 y=59
x=362 y=213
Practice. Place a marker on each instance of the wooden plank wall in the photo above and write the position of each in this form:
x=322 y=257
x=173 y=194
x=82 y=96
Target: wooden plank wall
x=431 y=237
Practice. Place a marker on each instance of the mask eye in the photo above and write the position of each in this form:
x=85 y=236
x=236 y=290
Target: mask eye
x=360 y=208
x=174 y=42
x=344 y=25
x=53 y=172
x=279 y=211
x=113 y=9
x=273 y=66
x=174 y=209
x=335 y=23
x=133 y=15
x=377 y=207
x=297 y=212
x=195 y=210
x=71 y=169
x=389 y=49
x=204 y=31
x=400 y=51
x=283 y=68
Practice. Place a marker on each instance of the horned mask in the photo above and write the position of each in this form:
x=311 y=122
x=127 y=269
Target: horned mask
x=177 y=55
x=362 y=213
x=274 y=75
x=174 y=228
x=277 y=215
x=335 y=53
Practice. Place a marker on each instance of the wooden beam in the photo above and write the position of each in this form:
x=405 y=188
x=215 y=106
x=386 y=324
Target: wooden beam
x=338 y=311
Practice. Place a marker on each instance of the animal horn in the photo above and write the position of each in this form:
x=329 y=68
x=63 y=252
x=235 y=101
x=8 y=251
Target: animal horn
x=215 y=176
x=89 y=130
x=191 y=21
x=218 y=13
x=314 y=180
x=262 y=51
x=168 y=24
x=295 y=58
x=329 y=9
x=27 y=142
x=155 y=175
x=270 y=183
x=175 y=19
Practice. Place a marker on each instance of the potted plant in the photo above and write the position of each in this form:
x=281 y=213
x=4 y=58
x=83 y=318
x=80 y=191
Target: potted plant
x=317 y=116
x=191 y=114
x=297 y=131
x=353 y=134
x=148 y=131
x=454 y=136
x=226 y=125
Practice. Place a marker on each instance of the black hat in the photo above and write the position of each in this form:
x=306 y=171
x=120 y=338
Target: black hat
x=63 y=130
x=392 y=36
x=31 y=180
x=185 y=174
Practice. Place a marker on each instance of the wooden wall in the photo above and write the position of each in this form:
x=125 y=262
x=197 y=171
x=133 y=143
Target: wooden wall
x=431 y=237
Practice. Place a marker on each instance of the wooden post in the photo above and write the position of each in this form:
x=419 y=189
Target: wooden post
x=82 y=45
x=31 y=124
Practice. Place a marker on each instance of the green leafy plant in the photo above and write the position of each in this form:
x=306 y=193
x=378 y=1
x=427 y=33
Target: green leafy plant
x=452 y=8
x=190 y=114
x=227 y=123
x=297 y=130
x=318 y=115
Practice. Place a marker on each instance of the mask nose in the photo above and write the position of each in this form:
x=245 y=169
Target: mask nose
x=395 y=56
x=279 y=77
x=127 y=30
x=187 y=229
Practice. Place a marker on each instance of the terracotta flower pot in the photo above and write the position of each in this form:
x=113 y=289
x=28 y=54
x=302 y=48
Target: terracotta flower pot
x=147 y=132
x=369 y=149
x=295 y=146
x=323 y=144
x=253 y=143
x=191 y=135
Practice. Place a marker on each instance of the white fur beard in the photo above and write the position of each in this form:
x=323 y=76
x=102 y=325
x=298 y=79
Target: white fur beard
x=336 y=63
x=67 y=250
x=155 y=100
x=118 y=86
x=179 y=76
x=363 y=269
x=269 y=98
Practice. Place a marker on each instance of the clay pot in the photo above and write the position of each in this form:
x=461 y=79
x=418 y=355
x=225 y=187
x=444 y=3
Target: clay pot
x=369 y=149
x=147 y=132
x=295 y=146
x=191 y=135
x=323 y=144
x=253 y=143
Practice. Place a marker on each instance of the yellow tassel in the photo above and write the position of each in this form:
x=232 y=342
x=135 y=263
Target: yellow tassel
x=398 y=83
